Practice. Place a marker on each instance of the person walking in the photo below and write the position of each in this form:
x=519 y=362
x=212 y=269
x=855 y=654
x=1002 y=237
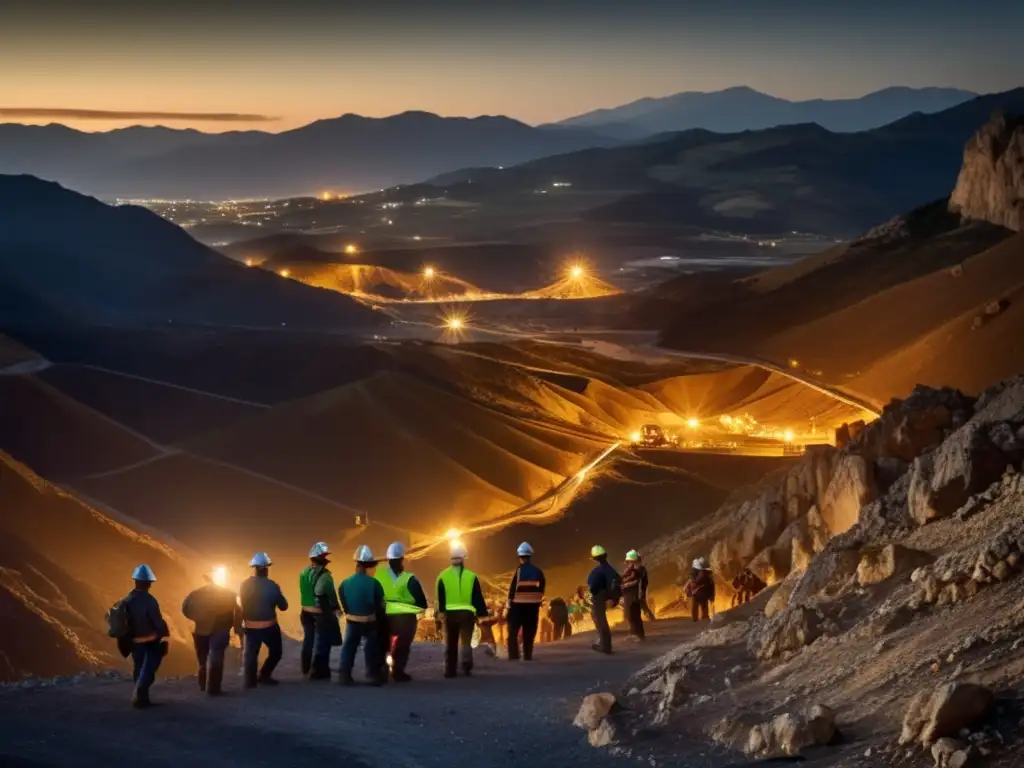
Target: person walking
x=634 y=585
x=605 y=591
x=259 y=600
x=319 y=617
x=362 y=600
x=646 y=604
x=211 y=609
x=700 y=589
x=404 y=601
x=460 y=601
x=558 y=615
x=146 y=630
x=525 y=595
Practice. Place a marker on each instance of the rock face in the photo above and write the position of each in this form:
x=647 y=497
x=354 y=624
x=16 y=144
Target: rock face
x=944 y=711
x=879 y=564
x=852 y=486
x=991 y=182
x=789 y=630
x=789 y=734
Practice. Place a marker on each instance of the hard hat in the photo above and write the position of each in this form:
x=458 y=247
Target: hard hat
x=700 y=564
x=458 y=551
x=364 y=555
x=632 y=555
x=525 y=550
x=260 y=560
x=143 y=573
x=597 y=551
x=320 y=549
x=396 y=551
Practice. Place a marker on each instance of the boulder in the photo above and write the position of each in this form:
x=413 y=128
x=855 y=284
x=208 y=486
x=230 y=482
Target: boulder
x=945 y=711
x=990 y=186
x=593 y=709
x=851 y=487
x=828 y=572
x=602 y=736
x=878 y=564
x=789 y=733
x=780 y=598
x=789 y=630
x=1002 y=402
x=944 y=749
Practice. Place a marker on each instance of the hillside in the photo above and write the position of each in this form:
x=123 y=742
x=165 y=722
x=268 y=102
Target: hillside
x=125 y=265
x=55 y=589
x=796 y=177
x=744 y=109
x=349 y=153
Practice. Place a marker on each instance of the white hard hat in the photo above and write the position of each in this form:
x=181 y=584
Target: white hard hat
x=698 y=563
x=396 y=551
x=525 y=550
x=260 y=560
x=143 y=573
x=320 y=549
x=364 y=555
x=458 y=551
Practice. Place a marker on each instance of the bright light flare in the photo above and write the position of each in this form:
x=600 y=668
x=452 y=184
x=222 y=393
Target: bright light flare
x=219 y=575
x=577 y=272
x=284 y=273
x=428 y=272
x=452 y=534
x=635 y=437
x=453 y=324
x=351 y=249
x=249 y=262
x=788 y=436
x=693 y=423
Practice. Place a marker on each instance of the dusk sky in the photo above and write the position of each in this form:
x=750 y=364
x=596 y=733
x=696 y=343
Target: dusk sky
x=183 y=64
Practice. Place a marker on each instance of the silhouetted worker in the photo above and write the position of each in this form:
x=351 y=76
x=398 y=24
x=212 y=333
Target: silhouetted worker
x=319 y=617
x=634 y=585
x=525 y=595
x=605 y=590
x=259 y=600
x=646 y=604
x=362 y=599
x=211 y=609
x=147 y=630
x=460 y=601
x=745 y=586
x=700 y=589
x=404 y=601
x=558 y=615
x=579 y=606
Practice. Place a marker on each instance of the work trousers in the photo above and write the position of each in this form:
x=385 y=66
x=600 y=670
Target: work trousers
x=308 y=621
x=357 y=632
x=699 y=609
x=635 y=617
x=210 y=655
x=254 y=640
x=525 y=616
x=146 y=658
x=646 y=608
x=599 y=613
x=401 y=631
x=563 y=630
x=458 y=640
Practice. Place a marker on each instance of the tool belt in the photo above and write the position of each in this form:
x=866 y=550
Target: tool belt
x=249 y=624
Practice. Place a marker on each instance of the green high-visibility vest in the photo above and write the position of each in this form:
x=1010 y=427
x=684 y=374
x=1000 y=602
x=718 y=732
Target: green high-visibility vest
x=458 y=588
x=396 y=591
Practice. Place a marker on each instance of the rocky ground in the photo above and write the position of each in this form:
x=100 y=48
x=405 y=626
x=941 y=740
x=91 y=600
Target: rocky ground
x=893 y=634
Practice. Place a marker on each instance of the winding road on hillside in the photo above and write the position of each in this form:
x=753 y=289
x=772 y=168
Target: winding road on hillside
x=511 y=714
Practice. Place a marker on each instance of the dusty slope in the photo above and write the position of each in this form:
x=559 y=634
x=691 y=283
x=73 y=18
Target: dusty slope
x=374 y=281
x=62 y=564
x=58 y=436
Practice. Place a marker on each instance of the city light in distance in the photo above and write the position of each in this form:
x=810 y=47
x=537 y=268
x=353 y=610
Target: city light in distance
x=248 y=262
x=788 y=436
x=635 y=437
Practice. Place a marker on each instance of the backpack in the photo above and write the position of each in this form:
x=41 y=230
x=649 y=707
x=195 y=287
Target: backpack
x=118 y=623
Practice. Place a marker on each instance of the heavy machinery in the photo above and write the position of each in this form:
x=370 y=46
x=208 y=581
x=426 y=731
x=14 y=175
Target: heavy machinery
x=653 y=436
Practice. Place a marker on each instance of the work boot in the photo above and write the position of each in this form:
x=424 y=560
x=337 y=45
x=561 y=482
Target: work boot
x=319 y=673
x=250 y=680
x=266 y=680
x=401 y=677
x=213 y=683
x=307 y=662
x=345 y=678
x=597 y=647
x=467 y=671
x=201 y=678
x=140 y=700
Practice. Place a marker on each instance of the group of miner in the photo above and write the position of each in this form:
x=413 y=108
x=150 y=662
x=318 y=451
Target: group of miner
x=381 y=603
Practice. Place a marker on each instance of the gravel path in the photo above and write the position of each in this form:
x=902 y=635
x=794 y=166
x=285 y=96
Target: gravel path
x=509 y=713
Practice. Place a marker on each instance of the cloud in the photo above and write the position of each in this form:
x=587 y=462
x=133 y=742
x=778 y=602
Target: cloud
x=104 y=114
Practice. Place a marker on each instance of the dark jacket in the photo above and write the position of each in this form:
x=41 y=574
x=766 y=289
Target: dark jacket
x=477 y=599
x=634 y=582
x=210 y=608
x=527 y=585
x=144 y=615
x=362 y=595
x=701 y=587
x=602 y=580
x=558 y=611
x=260 y=598
x=418 y=595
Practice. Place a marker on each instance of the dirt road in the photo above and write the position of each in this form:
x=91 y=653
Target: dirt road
x=508 y=714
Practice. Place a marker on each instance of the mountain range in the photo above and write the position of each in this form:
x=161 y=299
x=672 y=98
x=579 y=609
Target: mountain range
x=357 y=154
x=67 y=259
x=743 y=108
